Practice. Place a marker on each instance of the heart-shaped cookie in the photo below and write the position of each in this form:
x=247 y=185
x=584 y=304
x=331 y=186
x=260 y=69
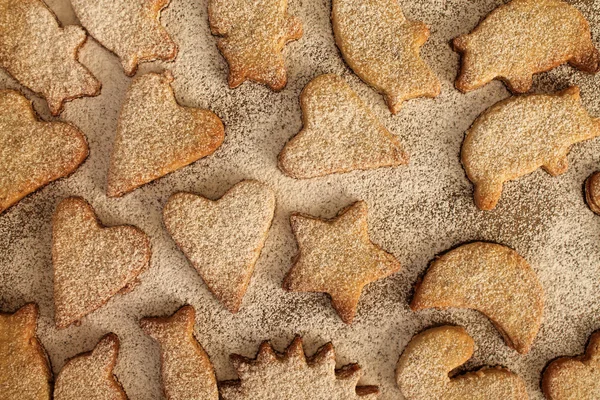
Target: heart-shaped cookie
x=223 y=239
x=91 y=263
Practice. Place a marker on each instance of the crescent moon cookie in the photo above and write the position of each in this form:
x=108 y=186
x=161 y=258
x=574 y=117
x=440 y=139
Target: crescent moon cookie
x=187 y=373
x=24 y=367
x=522 y=38
x=156 y=136
x=492 y=279
x=423 y=370
x=337 y=257
x=90 y=376
x=382 y=47
x=340 y=134
x=33 y=153
x=92 y=263
x=521 y=134
x=223 y=239
x=575 y=378
x=42 y=55
x=252 y=35
x=129 y=28
x=592 y=192
x=291 y=375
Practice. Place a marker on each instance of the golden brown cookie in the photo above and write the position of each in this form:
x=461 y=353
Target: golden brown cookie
x=33 y=153
x=129 y=28
x=423 y=370
x=382 y=47
x=273 y=376
x=592 y=192
x=42 y=55
x=522 y=38
x=187 y=373
x=492 y=279
x=24 y=369
x=340 y=134
x=92 y=263
x=223 y=239
x=338 y=258
x=156 y=136
x=89 y=376
x=575 y=378
x=252 y=37
x=521 y=134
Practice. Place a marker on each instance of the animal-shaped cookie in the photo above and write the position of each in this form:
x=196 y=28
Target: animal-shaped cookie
x=42 y=55
x=33 y=153
x=382 y=47
x=89 y=376
x=520 y=39
x=156 y=136
x=592 y=192
x=423 y=370
x=273 y=376
x=92 y=263
x=187 y=373
x=252 y=37
x=337 y=257
x=575 y=378
x=521 y=134
x=24 y=369
x=129 y=28
x=223 y=239
x=492 y=279
x=340 y=134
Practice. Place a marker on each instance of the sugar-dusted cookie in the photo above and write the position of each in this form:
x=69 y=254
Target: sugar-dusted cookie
x=575 y=378
x=89 y=376
x=252 y=37
x=274 y=376
x=521 y=134
x=33 y=153
x=129 y=28
x=592 y=192
x=223 y=239
x=423 y=370
x=492 y=279
x=337 y=257
x=520 y=39
x=382 y=47
x=187 y=373
x=92 y=263
x=42 y=55
x=340 y=134
x=24 y=369
x=156 y=136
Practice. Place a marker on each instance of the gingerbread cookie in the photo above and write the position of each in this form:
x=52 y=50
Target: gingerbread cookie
x=522 y=38
x=492 y=279
x=575 y=378
x=521 y=134
x=92 y=263
x=129 y=28
x=423 y=370
x=382 y=47
x=156 y=136
x=273 y=376
x=42 y=55
x=337 y=257
x=592 y=192
x=187 y=373
x=340 y=134
x=24 y=369
x=33 y=153
x=252 y=37
x=223 y=239
x=90 y=376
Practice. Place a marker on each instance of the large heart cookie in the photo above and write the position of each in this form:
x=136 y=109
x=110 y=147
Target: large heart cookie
x=91 y=263
x=223 y=239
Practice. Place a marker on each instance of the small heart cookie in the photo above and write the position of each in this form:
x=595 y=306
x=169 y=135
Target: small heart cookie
x=592 y=192
x=92 y=263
